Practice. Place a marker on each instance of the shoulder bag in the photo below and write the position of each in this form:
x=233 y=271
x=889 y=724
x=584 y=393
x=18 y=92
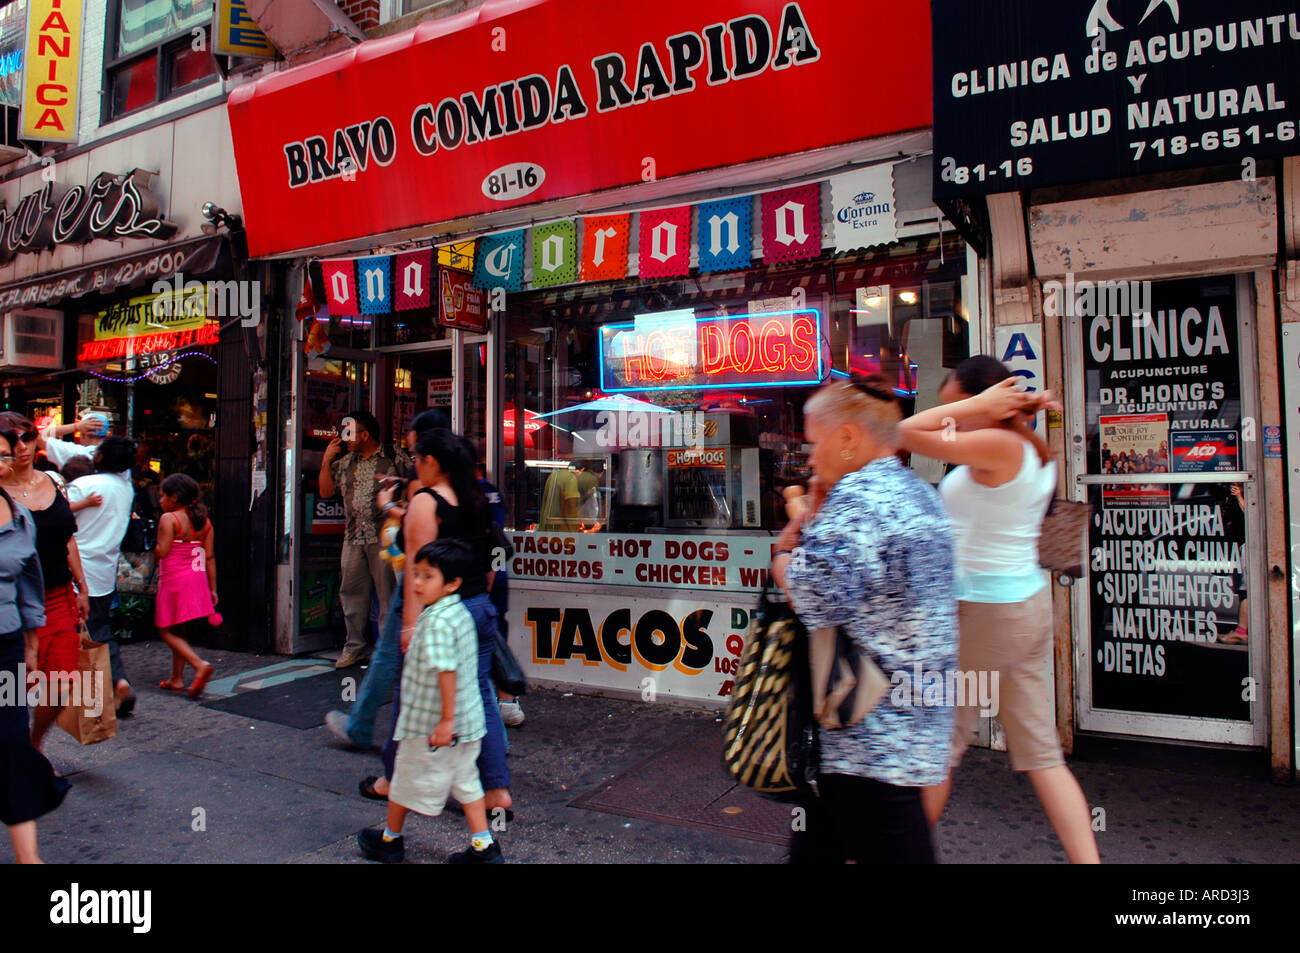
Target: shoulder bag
x=769 y=734
x=1061 y=540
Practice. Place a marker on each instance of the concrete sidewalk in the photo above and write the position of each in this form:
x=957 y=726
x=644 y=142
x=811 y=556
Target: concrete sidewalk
x=186 y=784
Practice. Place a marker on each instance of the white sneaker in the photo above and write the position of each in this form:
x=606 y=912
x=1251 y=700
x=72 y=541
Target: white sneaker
x=512 y=713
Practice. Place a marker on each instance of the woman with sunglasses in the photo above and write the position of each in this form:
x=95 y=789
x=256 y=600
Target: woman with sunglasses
x=58 y=642
x=29 y=788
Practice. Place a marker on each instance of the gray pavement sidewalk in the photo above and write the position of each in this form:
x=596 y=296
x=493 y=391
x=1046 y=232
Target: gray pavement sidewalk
x=266 y=793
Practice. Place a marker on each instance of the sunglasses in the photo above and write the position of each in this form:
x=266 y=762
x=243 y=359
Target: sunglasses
x=28 y=436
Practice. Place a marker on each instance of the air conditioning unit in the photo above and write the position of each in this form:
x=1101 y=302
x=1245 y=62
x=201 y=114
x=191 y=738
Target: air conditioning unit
x=32 y=340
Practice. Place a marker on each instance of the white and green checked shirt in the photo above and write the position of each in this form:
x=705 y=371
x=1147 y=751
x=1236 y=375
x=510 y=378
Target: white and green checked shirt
x=445 y=640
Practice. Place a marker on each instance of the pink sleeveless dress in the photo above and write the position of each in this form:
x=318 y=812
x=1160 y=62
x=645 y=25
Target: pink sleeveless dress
x=183 y=593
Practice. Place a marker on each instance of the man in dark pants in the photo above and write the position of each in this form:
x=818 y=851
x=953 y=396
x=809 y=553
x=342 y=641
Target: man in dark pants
x=102 y=503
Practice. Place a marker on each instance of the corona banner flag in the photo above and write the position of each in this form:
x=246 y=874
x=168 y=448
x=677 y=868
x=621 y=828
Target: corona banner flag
x=52 y=71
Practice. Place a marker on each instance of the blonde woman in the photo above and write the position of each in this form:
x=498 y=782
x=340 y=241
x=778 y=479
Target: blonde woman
x=996 y=498
x=872 y=552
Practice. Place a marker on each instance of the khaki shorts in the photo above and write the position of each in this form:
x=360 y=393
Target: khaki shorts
x=424 y=778
x=1014 y=639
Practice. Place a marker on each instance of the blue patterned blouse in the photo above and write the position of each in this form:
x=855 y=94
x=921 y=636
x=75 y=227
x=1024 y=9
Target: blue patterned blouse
x=878 y=560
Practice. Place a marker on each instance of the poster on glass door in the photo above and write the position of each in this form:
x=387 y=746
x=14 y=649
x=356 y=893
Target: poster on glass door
x=1167 y=582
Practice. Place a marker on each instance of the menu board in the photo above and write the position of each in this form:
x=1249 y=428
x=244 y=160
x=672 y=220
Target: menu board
x=1168 y=561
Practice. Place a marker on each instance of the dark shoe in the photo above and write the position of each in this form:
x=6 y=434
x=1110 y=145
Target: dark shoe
x=471 y=856
x=374 y=847
x=367 y=789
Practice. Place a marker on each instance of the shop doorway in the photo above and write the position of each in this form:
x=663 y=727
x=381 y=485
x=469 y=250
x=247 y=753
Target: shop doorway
x=451 y=376
x=1169 y=642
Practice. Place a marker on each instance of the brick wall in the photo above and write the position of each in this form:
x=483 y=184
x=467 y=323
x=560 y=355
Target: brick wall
x=364 y=13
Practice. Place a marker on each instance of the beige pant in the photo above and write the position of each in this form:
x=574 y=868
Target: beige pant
x=1014 y=639
x=362 y=567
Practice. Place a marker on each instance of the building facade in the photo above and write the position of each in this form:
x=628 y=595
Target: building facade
x=124 y=283
x=621 y=248
x=1136 y=174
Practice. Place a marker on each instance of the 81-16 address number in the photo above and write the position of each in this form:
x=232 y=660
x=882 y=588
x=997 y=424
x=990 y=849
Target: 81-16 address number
x=950 y=171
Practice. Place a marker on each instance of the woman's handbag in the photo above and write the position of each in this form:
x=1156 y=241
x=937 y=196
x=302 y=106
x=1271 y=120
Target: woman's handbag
x=846 y=681
x=1060 y=541
x=769 y=735
x=507 y=673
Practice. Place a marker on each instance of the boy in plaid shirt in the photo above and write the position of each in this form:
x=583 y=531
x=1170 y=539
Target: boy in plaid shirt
x=441 y=723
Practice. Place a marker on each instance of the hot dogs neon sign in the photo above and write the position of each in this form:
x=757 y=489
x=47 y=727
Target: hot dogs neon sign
x=674 y=350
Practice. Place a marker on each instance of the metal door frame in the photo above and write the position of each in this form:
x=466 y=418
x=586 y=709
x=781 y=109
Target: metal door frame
x=1176 y=727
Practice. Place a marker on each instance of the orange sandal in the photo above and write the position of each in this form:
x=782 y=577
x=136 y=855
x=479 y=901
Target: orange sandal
x=169 y=687
x=201 y=680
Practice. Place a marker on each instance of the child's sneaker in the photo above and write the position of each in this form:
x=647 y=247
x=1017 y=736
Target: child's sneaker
x=491 y=855
x=512 y=713
x=374 y=847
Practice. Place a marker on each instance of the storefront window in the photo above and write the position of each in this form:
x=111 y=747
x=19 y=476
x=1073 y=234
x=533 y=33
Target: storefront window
x=621 y=433
x=12 y=37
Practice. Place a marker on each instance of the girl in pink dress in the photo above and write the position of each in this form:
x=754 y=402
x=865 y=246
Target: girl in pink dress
x=187 y=577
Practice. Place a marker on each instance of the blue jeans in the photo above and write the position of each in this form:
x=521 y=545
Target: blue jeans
x=492 y=768
x=493 y=771
x=99 y=626
x=385 y=664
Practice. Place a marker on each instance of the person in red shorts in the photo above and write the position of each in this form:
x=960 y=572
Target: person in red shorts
x=58 y=642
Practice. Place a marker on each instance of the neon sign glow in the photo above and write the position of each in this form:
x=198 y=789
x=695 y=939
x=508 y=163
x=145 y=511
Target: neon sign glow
x=674 y=350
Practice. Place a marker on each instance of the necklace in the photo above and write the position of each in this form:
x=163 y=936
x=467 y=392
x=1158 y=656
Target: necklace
x=30 y=485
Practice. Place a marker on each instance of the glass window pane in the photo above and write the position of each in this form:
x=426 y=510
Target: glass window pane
x=12 y=22
x=190 y=66
x=144 y=23
x=410 y=6
x=135 y=85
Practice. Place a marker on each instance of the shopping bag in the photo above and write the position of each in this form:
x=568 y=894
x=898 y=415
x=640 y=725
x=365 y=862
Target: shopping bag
x=96 y=691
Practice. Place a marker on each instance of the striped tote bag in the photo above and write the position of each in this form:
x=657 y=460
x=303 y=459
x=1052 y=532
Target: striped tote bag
x=769 y=734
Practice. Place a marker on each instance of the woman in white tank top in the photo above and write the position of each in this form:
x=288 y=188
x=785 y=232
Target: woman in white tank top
x=996 y=497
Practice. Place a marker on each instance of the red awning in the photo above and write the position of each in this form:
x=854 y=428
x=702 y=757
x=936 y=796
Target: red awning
x=518 y=102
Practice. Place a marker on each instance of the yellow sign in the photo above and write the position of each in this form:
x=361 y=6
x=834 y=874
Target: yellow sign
x=52 y=71
x=457 y=254
x=152 y=314
x=237 y=33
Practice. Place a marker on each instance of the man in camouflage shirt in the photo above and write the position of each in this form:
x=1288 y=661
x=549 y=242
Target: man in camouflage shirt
x=353 y=475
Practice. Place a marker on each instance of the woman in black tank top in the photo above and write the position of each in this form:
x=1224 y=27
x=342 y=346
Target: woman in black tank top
x=449 y=505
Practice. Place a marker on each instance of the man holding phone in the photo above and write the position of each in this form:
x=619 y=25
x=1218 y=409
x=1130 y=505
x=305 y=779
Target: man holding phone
x=354 y=475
